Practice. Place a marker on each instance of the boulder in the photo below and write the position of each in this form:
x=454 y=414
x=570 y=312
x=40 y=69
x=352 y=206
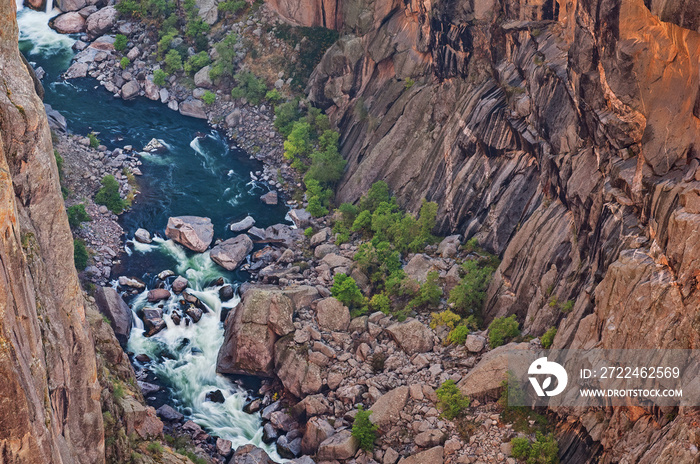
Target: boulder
x=316 y=432
x=297 y=374
x=130 y=90
x=208 y=10
x=223 y=447
x=180 y=284
x=250 y=335
x=155 y=146
x=300 y=217
x=233 y=118
x=324 y=250
x=270 y=198
x=101 y=22
x=226 y=293
x=71 y=5
x=125 y=281
x=170 y=414
x=56 y=120
x=193 y=108
x=193 y=232
x=418 y=267
x=341 y=446
x=147 y=388
x=76 y=70
x=475 y=343
x=215 y=396
x=201 y=78
x=387 y=409
x=194 y=312
x=140 y=419
x=449 y=247
x=486 y=378
x=287 y=448
x=151 y=90
x=116 y=310
x=432 y=456
x=250 y=454
x=243 y=224
x=69 y=23
x=334 y=261
x=412 y=336
x=153 y=321
x=320 y=237
x=302 y=295
x=143 y=236
x=430 y=438
x=158 y=294
x=332 y=315
x=230 y=253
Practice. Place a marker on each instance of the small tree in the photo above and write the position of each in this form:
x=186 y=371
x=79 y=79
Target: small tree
x=173 y=62
x=364 y=430
x=346 y=291
x=209 y=97
x=548 y=337
x=450 y=400
x=80 y=254
x=120 y=42
x=159 y=77
x=503 y=329
x=94 y=141
x=124 y=62
x=108 y=195
x=77 y=215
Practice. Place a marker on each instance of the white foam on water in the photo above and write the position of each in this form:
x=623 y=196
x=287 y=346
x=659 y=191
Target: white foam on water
x=191 y=373
x=34 y=28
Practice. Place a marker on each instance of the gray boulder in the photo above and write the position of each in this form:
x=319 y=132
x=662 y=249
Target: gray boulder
x=270 y=198
x=201 y=78
x=243 y=225
x=130 y=90
x=69 y=23
x=101 y=22
x=116 y=310
x=193 y=108
x=230 y=253
x=193 y=232
x=412 y=336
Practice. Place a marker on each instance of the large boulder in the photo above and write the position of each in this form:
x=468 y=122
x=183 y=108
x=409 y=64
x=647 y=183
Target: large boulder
x=432 y=456
x=250 y=454
x=230 y=253
x=251 y=330
x=202 y=79
x=101 y=22
x=412 y=336
x=76 y=70
x=316 y=432
x=418 y=267
x=341 y=446
x=116 y=310
x=243 y=224
x=140 y=419
x=486 y=378
x=387 y=409
x=130 y=90
x=208 y=10
x=71 y=5
x=297 y=374
x=193 y=108
x=69 y=23
x=300 y=217
x=193 y=232
x=332 y=315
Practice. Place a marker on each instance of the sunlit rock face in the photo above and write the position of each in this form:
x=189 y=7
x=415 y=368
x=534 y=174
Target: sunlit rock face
x=563 y=135
x=50 y=408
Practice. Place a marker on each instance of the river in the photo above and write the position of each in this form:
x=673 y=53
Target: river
x=197 y=176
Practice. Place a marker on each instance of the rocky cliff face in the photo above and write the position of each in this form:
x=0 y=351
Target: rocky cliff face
x=564 y=136
x=50 y=407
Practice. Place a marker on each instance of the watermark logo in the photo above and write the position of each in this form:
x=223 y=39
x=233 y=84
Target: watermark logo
x=542 y=367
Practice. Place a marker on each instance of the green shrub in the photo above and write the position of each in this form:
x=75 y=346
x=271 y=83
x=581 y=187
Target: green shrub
x=458 y=335
x=378 y=193
x=130 y=8
x=286 y=114
x=520 y=447
x=273 y=96
x=409 y=83
x=450 y=400
x=548 y=338
x=94 y=141
x=120 y=42
x=429 y=294
x=232 y=6
x=250 y=87
x=349 y=213
x=124 y=62
x=446 y=318
x=309 y=232
x=108 y=195
x=155 y=448
x=568 y=306
x=327 y=165
x=318 y=198
x=380 y=302
x=77 y=215
x=343 y=236
x=59 y=164
x=165 y=41
x=118 y=390
x=159 y=77
x=209 y=97
x=298 y=147
x=80 y=254
x=347 y=292
x=364 y=430
x=223 y=66
x=173 y=62
x=468 y=296
x=363 y=221
x=196 y=62
x=503 y=329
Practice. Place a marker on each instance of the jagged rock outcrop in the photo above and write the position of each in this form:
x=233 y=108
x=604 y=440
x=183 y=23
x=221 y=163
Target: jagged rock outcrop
x=51 y=396
x=563 y=136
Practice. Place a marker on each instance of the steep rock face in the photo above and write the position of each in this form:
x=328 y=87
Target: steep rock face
x=563 y=135
x=51 y=397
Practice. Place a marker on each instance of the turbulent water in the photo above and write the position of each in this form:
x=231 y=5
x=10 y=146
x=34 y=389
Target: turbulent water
x=199 y=175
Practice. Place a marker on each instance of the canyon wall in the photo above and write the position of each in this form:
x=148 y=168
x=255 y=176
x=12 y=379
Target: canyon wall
x=563 y=135
x=49 y=394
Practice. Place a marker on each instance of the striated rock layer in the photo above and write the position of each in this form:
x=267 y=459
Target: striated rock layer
x=50 y=407
x=564 y=136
